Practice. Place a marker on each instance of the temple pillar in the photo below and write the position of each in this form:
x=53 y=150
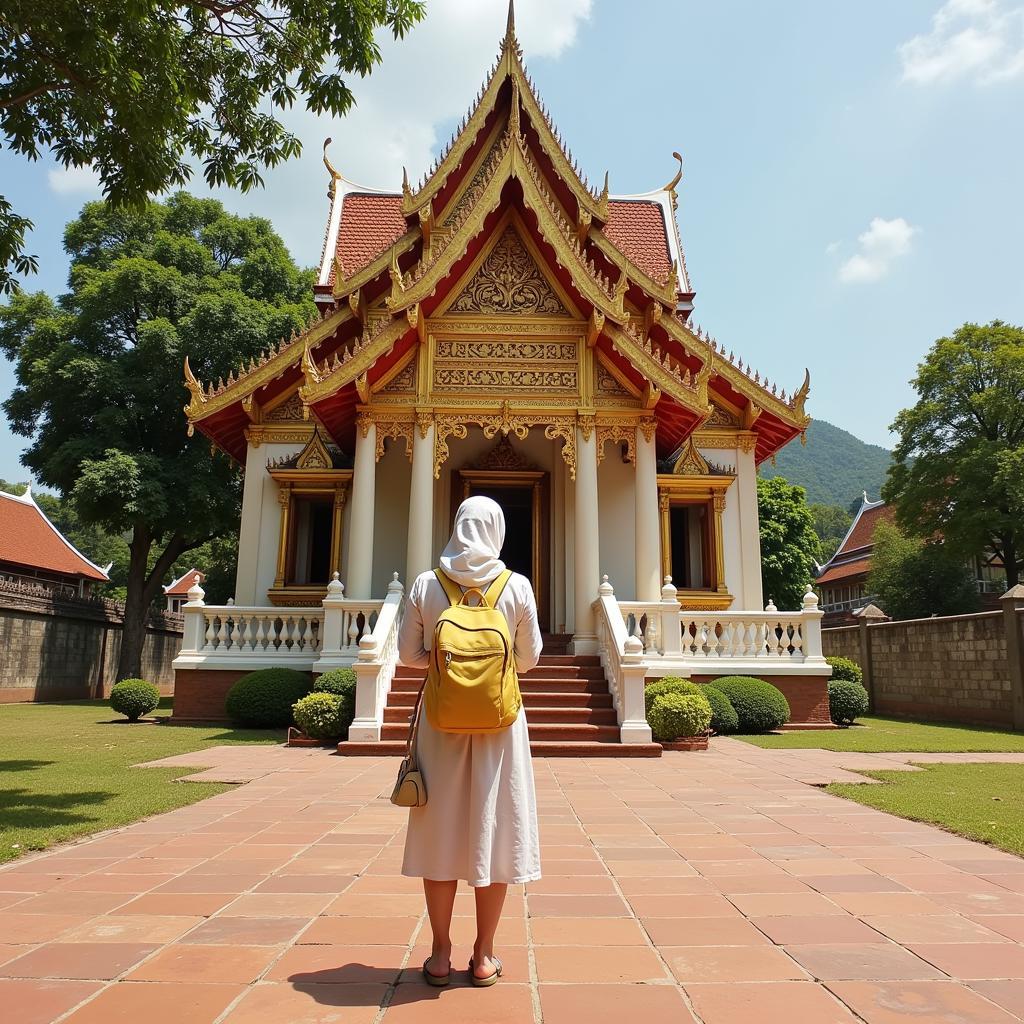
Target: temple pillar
x=647 y=523
x=586 y=556
x=421 y=503
x=360 y=545
x=752 y=597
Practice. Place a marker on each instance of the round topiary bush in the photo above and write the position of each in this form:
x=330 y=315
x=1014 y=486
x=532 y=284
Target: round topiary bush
x=670 y=684
x=319 y=715
x=724 y=719
x=759 y=706
x=264 y=699
x=844 y=668
x=676 y=715
x=342 y=682
x=846 y=701
x=134 y=698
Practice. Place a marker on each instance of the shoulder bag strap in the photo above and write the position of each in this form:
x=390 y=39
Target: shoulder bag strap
x=451 y=589
x=497 y=588
x=414 y=730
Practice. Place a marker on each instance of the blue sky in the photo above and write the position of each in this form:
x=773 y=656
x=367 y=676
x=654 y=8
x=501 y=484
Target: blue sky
x=852 y=184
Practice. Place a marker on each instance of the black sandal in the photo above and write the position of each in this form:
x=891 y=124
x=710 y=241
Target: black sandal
x=491 y=979
x=437 y=980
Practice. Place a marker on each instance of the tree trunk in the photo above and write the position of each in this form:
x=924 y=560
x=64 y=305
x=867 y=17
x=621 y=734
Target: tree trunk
x=141 y=590
x=1010 y=562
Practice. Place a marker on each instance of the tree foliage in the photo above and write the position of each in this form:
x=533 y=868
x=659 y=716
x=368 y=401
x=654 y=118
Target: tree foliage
x=831 y=524
x=99 y=373
x=913 y=579
x=138 y=92
x=789 y=545
x=958 y=472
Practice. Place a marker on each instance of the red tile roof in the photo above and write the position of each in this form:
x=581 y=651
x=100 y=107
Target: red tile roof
x=183 y=584
x=637 y=228
x=28 y=538
x=863 y=532
x=858 y=567
x=369 y=224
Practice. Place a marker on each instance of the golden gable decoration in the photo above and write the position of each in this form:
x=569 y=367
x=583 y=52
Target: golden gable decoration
x=504 y=457
x=509 y=281
x=315 y=455
x=691 y=462
x=288 y=411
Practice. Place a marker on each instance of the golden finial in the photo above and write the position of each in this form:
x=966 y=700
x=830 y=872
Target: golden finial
x=331 y=169
x=510 y=23
x=800 y=397
x=194 y=387
x=671 y=186
x=406 y=189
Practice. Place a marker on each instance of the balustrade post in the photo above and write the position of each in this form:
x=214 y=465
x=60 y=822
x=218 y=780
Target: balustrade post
x=811 y=618
x=1012 y=601
x=671 y=636
x=194 y=631
x=332 y=636
x=633 y=727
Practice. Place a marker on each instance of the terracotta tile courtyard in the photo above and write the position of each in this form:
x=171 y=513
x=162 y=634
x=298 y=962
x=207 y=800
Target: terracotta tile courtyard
x=717 y=887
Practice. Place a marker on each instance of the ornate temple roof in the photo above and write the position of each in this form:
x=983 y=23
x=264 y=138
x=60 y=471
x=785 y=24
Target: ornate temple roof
x=393 y=259
x=29 y=539
x=183 y=584
x=853 y=556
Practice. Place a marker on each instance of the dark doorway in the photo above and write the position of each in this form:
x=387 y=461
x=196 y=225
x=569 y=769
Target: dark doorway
x=517 y=504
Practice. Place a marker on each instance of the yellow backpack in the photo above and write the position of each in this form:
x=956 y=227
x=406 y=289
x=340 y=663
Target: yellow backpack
x=472 y=684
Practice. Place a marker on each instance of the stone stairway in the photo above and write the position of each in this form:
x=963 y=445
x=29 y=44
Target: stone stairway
x=567 y=703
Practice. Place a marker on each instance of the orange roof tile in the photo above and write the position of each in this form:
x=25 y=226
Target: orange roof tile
x=863 y=532
x=183 y=584
x=369 y=224
x=637 y=229
x=29 y=539
x=859 y=567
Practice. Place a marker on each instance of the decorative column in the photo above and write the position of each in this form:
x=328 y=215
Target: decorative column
x=364 y=480
x=421 y=500
x=586 y=558
x=647 y=524
x=752 y=596
x=284 y=499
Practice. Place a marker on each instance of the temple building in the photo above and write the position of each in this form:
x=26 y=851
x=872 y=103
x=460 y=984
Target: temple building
x=505 y=328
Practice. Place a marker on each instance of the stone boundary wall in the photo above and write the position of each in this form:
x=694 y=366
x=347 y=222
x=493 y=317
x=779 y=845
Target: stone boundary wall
x=61 y=648
x=959 y=668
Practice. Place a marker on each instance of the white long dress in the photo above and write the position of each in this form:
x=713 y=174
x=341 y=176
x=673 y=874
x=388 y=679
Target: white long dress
x=479 y=823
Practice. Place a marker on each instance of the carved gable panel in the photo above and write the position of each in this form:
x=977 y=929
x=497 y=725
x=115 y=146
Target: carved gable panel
x=509 y=281
x=287 y=412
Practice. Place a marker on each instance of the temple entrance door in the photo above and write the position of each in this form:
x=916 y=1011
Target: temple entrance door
x=523 y=497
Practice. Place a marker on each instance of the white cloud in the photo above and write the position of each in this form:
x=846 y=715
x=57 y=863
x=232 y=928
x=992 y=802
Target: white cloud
x=882 y=243
x=73 y=181
x=426 y=80
x=832 y=247
x=978 y=39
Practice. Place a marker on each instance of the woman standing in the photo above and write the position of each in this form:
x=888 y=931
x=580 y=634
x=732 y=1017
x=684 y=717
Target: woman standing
x=480 y=821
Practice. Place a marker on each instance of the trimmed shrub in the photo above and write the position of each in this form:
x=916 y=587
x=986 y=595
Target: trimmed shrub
x=846 y=701
x=723 y=715
x=759 y=706
x=670 y=684
x=134 y=698
x=844 y=668
x=675 y=715
x=319 y=715
x=342 y=682
x=264 y=699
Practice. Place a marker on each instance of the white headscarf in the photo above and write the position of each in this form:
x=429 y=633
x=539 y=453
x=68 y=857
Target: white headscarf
x=471 y=556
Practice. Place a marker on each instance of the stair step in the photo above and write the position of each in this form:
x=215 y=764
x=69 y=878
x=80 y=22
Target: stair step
x=592 y=672
x=526 y=685
x=555 y=715
x=539 y=748
x=531 y=699
x=566 y=732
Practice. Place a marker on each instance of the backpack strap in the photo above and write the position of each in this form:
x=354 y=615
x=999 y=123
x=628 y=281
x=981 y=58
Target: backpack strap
x=451 y=589
x=497 y=588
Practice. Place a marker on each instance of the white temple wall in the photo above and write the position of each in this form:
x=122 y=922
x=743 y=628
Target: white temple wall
x=616 y=523
x=391 y=517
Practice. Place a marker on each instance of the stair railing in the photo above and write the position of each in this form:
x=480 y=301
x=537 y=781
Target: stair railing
x=375 y=667
x=622 y=658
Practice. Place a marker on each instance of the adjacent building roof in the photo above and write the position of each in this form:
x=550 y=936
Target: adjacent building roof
x=183 y=584
x=853 y=557
x=29 y=539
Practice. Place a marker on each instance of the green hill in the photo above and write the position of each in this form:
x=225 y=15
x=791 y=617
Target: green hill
x=834 y=467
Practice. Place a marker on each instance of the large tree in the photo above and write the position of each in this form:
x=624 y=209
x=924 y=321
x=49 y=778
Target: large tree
x=959 y=462
x=99 y=386
x=831 y=524
x=139 y=91
x=913 y=579
x=789 y=545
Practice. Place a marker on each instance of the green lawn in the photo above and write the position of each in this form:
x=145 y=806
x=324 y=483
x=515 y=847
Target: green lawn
x=875 y=734
x=979 y=801
x=65 y=770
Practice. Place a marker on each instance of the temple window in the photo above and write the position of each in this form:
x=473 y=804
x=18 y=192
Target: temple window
x=312 y=519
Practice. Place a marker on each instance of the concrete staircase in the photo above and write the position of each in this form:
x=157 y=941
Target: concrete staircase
x=567 y=703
